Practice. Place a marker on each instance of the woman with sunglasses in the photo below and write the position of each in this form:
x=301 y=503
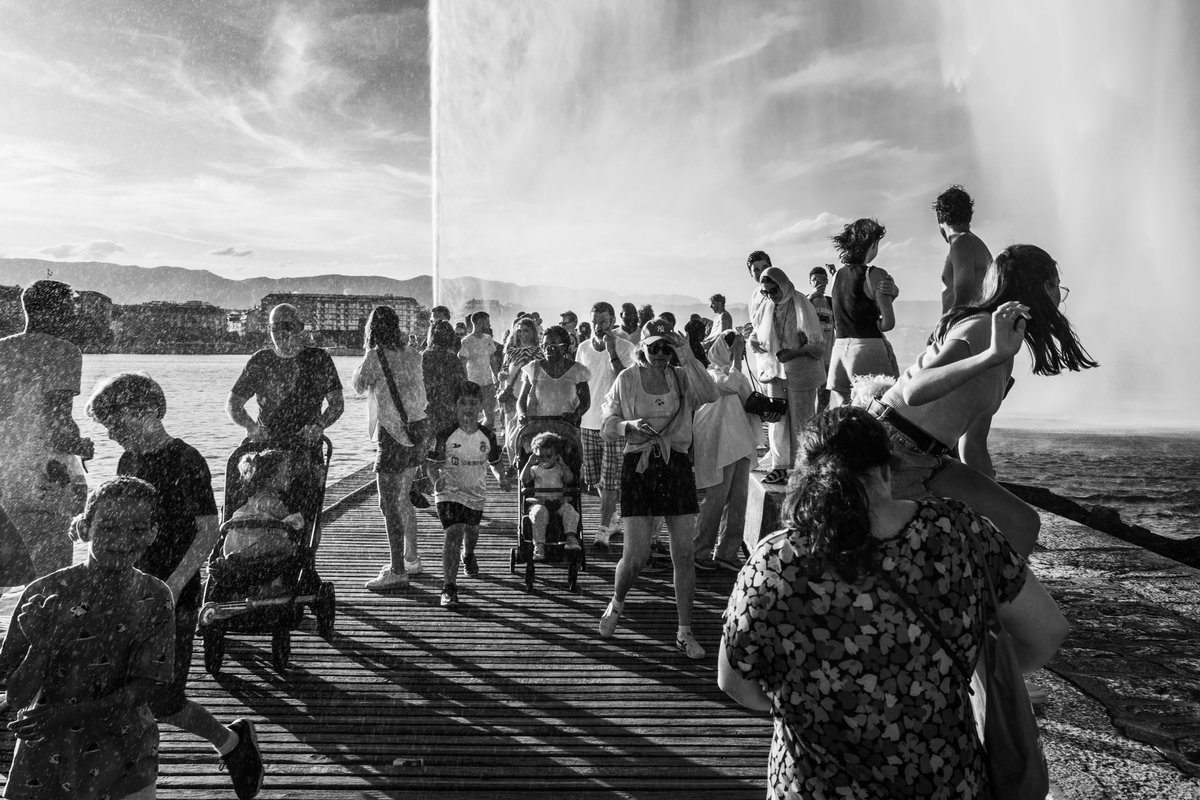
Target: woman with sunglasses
x=520 y=348
x=554 y=386
x=651 y=405
x=949 y=396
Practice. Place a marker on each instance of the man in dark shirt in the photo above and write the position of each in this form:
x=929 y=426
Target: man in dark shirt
x=290 y=382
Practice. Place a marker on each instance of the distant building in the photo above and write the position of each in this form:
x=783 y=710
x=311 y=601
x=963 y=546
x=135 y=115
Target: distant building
x=339 y=319
x=161 y=321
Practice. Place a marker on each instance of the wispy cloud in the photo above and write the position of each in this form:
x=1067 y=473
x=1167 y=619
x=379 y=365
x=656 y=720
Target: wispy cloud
x=807 y=231
x=98 y=249
x=902 y=67
x=237 y=251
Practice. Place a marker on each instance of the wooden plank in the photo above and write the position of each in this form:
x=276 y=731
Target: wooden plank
x=514 y=695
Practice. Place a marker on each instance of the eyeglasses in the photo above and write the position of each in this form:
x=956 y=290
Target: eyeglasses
x=660 y=349
x=556 y=347
x=1063 y=292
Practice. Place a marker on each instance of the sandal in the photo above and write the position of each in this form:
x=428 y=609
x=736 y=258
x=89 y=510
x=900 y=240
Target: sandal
x=776 y=477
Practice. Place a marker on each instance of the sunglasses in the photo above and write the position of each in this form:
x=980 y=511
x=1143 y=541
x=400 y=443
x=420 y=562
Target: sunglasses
x=660 y=349
x=556 y=346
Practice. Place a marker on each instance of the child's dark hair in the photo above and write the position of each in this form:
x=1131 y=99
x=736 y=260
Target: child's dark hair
x=257 y=469
x=548 y=439
x=825 y=498
x=1020 y=273
x=954 y=206
x=383 y=330
x=856 y=239
x=124 y=487
x=123 y=391
x=469 y=390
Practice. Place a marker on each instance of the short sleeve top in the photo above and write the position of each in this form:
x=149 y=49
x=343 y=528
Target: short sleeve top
x=289 y=391
x=948 y=417
x=184 y=484
x=865 y=701
x=549 y=396
x=603 y=373
x=476 y=353
x=463 y=458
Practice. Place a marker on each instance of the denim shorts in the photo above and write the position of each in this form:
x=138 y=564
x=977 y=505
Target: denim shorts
x=912 y=468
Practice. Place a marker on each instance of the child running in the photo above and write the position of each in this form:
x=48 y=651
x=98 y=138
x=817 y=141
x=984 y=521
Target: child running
x=132 y=406
x=85 y=649
x=458 y=467
x=546 y=474
x=265 y=476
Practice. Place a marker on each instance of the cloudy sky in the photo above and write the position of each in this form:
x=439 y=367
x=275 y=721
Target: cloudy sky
x=249 y=137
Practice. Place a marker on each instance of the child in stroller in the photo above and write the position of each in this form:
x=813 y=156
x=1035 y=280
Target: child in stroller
x=261 y=533
x=544 y=477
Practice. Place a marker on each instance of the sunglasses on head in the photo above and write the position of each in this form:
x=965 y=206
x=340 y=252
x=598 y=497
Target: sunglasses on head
x=660 y=348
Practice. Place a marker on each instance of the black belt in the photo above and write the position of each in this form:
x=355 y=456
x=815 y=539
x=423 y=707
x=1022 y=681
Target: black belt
x=924 y=441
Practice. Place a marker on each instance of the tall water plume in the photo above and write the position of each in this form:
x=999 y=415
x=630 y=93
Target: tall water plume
x=1084 y=115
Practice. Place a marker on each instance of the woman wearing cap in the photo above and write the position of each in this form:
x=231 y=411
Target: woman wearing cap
x=651 y=405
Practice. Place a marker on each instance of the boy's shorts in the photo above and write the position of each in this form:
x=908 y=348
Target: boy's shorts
x=458 y=514
x=601 y=460
x=168 y=699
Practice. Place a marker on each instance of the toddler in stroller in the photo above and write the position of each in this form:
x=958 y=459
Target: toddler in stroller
x=544 y=477
x=259 y=534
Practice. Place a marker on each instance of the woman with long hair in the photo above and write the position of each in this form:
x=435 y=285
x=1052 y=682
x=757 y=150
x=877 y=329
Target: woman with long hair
x=858 y=626
x=651 y=404
x=862 y=297
x=949 y=396
x=520 y=348
x=390 y=375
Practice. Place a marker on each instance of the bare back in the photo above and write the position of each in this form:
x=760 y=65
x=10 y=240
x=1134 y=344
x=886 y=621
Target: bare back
x=966 y=265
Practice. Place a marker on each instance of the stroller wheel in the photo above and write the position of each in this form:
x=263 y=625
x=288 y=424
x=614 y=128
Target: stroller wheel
x=214 y=650
x=281 y=650
x=512 y=561
x=325 y=609
x=530 y=571
x=573 y=576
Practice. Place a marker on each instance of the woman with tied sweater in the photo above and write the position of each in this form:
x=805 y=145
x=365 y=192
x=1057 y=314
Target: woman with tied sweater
x=787 y=336
x=651 y=404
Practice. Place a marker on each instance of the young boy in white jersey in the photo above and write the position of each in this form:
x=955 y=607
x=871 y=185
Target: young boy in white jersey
x=458 y=466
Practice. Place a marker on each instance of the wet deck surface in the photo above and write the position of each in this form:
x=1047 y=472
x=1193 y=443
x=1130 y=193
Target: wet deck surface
x=514 y=695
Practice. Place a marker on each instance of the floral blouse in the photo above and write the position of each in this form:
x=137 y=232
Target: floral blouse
x=866 y=704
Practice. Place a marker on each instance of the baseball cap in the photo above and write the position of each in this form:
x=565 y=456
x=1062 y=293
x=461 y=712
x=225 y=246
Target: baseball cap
x=655 y=330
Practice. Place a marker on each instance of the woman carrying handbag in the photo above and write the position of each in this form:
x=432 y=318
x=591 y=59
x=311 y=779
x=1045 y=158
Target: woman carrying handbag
x=391 y=377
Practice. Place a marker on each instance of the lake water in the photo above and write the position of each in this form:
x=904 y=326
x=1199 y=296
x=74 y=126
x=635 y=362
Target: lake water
x=1152 y=478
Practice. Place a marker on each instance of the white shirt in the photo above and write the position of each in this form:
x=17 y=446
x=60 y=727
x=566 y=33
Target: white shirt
x=599 y=364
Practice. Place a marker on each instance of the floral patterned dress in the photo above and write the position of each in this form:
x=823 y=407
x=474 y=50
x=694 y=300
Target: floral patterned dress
x=866 y=704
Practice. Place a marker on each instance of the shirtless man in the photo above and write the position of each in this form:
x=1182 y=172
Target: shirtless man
x=968 y=259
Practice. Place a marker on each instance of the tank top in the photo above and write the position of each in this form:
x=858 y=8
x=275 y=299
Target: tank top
x=855 y=316
x=551 y=396
x=657 y=409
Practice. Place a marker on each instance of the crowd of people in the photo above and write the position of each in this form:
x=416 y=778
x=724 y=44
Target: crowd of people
x=887 y=473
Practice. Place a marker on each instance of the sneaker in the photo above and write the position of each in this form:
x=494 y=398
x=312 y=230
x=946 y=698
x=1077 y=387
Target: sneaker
x=654 y=566
x=776 y=477
x=539 y=551
x=608 y=622
x=417 y=499
x=572 y=542
x=471 y=565
x=706 y=565
x=659 y=547
x=413 y=567
x=244 y=761
x=387 y=581
x=687 y=643
x=727 y=564
x=449 y=596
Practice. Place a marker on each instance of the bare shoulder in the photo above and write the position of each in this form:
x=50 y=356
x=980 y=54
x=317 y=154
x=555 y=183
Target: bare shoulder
x=970 y=248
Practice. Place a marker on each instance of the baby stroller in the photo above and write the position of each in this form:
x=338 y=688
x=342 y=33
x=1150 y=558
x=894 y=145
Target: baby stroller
x=267 y=594
x=575 y=560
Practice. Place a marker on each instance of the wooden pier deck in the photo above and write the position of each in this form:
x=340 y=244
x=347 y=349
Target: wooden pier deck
x=512 y=695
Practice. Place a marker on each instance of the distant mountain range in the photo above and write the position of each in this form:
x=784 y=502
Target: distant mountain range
x=131 y=284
